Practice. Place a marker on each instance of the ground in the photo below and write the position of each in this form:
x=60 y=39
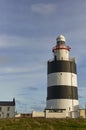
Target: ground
x=42 y=124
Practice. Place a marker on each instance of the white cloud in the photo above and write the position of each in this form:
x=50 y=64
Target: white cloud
x=25 y=42
x=13 y=70
x=7 y=41
x=12 y=41
x=43 y=9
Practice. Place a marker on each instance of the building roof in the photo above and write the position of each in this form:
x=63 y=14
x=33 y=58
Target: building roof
x=7 y=103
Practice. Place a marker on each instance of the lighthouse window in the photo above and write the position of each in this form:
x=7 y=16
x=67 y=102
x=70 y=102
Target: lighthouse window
x=0 y=108
x=7 y=114
x=57 y=110
x=8 y=108
x=60 y=110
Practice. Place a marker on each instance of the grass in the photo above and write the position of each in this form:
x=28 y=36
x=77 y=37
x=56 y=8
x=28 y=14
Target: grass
x=42 y=124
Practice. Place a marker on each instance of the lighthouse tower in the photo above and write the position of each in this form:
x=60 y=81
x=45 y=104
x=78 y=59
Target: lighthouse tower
x=62 y=90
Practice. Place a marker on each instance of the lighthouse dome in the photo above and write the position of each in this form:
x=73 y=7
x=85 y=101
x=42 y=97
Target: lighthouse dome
x=61 y=38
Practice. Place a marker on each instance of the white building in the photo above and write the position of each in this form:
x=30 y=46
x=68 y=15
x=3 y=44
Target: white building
x=7 y=109
x=38 y=114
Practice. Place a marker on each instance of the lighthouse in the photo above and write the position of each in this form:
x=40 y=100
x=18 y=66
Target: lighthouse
x=62 y=89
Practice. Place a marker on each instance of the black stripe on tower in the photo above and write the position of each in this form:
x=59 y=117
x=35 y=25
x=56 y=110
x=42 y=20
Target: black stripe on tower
x=62 y=92
x=61 y=66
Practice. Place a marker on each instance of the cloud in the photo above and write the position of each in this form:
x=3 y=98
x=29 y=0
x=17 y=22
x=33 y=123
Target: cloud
x=32 y=88
x=14 y=41
x=32 y=74
x=3 y=59
x=12 y=70
x=21 y=106
x=30 y=103
x=32 y=68
x=25 y=91
x=30 y=44
x=37 y=107
x=43 y=9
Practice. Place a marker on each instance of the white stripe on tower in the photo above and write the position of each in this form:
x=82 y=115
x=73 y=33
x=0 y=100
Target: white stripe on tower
x=62 y=78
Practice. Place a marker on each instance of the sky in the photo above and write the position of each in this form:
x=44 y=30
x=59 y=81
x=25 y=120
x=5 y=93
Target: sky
x=28 y=32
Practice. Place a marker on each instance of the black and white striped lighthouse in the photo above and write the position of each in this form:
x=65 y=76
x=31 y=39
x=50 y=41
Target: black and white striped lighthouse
x=62 y=90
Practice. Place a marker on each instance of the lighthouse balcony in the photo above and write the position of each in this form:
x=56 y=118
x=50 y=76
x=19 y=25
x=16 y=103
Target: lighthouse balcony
x=58 y=59
x=68 y=59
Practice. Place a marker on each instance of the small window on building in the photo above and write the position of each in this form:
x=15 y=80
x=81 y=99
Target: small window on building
x=57 y=110
x=8 y=108
x=7 y=114
x=0 y=108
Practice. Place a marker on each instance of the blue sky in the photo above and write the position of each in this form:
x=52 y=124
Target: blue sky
x=28 y=31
